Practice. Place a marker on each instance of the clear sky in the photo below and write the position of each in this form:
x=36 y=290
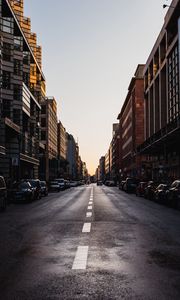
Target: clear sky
x=91 y=49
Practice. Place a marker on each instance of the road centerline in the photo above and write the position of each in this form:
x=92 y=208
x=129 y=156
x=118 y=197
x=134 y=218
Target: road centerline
x=80 y=260
x=88 y=214
x=86 y=227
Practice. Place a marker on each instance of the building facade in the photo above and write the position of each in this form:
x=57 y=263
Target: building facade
x=71 y=156
x=21 y=91
x=102 y=168
x=49 y=162
x=131 y=127
x=162 y=100
x=62 y=151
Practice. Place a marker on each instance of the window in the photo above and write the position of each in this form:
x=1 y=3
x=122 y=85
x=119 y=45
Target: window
x=33 y=70
x=43 y=135
x=6 y=80
x=16 y=116
x=6 y=108
x=17 y=92
x=43 y=109
x=18 y=43
x=6 y=52
x=17 y=67
x=7 y=25
x=26 y=58
x=43 y=122
x=26 y=78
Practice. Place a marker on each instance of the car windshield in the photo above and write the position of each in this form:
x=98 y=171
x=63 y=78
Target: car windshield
x=24 y=185
x=43 y=183
x=33 y=183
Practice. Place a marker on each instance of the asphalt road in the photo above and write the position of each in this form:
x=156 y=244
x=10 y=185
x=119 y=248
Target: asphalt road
x=129 y=248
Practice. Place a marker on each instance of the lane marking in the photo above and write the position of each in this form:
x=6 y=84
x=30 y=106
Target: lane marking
x=88 y=214
x=86 y=227
x=89 y=207
x=90 y=203
x=80 y=260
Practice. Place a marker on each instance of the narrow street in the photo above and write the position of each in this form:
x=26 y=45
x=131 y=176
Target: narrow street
x=129 y=248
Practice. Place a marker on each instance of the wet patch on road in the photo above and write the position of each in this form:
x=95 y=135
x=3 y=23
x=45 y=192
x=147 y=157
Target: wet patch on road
x=165 y=259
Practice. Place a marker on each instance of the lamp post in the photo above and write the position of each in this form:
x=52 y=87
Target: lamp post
x=165 y=5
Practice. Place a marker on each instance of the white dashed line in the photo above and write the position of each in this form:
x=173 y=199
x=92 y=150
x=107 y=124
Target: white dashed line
x=90 y=203
x=88 y=214
x=80 y=260
x=86 y=227
x=89 y=207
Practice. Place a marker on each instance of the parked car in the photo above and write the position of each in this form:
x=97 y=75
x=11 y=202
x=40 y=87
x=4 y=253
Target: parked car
x=62 y=183
x=44 y=188
x=3 y=194
x=140 y=189
x=73 y=183
x=54 y=186
x=149 y=190
x=160 y=193
x=121 y=185
x=67 y=184
x=130 y=185
x=99 y=182
x=22 y=191
x=173 y=194
x=110 y=183
x=36 y=187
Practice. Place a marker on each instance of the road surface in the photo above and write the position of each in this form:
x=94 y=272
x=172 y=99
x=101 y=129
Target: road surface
x=90 y=242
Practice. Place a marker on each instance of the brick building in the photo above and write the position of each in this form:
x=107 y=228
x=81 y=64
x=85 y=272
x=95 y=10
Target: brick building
x=131 y=126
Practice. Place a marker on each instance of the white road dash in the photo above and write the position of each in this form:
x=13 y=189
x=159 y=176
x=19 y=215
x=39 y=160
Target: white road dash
x=88 y=214
x=80 y=260
x=89 y=207
x=86 y=227
x=90 y=203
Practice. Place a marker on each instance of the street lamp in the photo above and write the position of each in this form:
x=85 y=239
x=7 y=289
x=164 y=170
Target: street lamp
x=165 y=5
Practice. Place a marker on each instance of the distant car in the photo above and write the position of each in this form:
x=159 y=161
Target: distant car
x=99 y=182
x=54 y=186
x=110 y=183
x=36 y=187
x=44 y=188
x=173 y=194
x=22 y=191
x=73 y=183
x=140 y=189
x=3 y=194
x=130 y=185
x=61 y=182
x=160 y=193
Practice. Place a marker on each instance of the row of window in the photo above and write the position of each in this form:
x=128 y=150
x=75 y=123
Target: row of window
x=173 y=84
x=7 y=54
x=6 y=78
